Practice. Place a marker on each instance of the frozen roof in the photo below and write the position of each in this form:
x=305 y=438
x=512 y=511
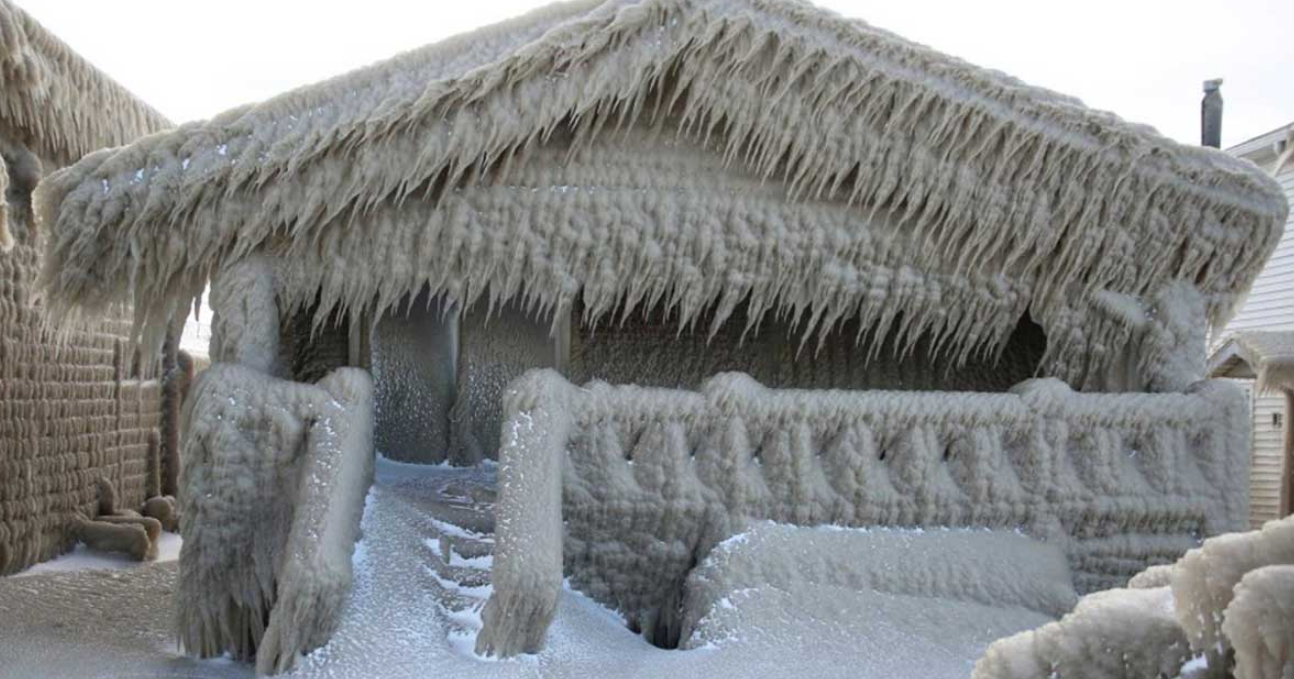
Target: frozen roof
x=60 y=104
x=983 y=198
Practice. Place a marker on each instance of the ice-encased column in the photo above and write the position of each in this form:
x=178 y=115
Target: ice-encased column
x=245 y=327
x=413 y=362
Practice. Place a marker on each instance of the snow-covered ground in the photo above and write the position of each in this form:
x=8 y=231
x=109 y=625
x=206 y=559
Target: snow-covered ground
x=421 y=579
x=83 y=558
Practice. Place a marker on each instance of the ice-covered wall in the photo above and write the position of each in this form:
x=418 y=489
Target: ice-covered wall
x=309 y=352
x=496 y=345
x=74 y=408
x=653 y=478
x=413 y=357
x=650 y=350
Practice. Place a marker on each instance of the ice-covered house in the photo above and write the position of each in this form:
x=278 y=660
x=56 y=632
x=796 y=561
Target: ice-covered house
x=80 y=408
x=653 y=196
x=1258 y=342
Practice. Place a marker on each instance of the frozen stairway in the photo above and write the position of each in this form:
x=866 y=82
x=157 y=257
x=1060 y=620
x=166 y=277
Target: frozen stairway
x=460 y=565
x=449 y=514
x=455 y=516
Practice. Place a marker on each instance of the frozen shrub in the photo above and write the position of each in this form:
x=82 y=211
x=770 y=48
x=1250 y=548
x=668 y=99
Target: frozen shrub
x=1204 y=580
x=1119 y=633
x=1259 y=623
x=1153 y=577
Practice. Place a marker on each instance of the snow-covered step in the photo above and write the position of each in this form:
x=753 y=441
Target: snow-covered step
x=468 y=548
x=460 y=551
x=453 y=602
x=467 y=577
x=454 y=530
x=468 y=519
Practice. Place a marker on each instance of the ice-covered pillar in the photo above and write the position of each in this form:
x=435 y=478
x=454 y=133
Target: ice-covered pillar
x=245 y=315
x=496 y=345
x=527 y=571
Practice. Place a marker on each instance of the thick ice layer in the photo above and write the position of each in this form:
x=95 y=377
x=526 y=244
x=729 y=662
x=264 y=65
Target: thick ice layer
x=274 y=479
x=654 y=478
x=993 y=568
x=839 y=631
x=6 y=238
x=1259 y=623
x=497 y=344
x=1116 y=633
x=413 y=358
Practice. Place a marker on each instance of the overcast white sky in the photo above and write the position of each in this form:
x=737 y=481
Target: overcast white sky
x=1144 y=60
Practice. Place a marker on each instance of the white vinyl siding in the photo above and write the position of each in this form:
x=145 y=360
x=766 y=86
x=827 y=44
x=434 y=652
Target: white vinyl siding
x=1269 y=306
x=1265 y=472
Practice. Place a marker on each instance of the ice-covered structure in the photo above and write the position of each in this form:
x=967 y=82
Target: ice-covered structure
x=625 y=489
x=641 y=195
x=79 y=413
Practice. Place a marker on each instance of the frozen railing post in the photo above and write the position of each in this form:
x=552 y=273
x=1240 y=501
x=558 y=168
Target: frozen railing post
x=527 y=573
x=275 y=473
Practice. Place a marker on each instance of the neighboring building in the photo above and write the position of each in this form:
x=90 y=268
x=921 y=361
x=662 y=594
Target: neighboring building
x=651 y=193
x=77 y=408
x=1261 y=337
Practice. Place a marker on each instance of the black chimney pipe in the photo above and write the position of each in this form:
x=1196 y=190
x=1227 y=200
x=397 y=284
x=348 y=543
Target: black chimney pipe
x=1211 y=114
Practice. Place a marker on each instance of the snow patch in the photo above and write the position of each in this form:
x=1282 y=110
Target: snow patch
x=83 y=558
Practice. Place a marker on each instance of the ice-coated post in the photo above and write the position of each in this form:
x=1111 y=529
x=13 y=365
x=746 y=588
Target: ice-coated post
x=245 y=321
x=527 y=573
